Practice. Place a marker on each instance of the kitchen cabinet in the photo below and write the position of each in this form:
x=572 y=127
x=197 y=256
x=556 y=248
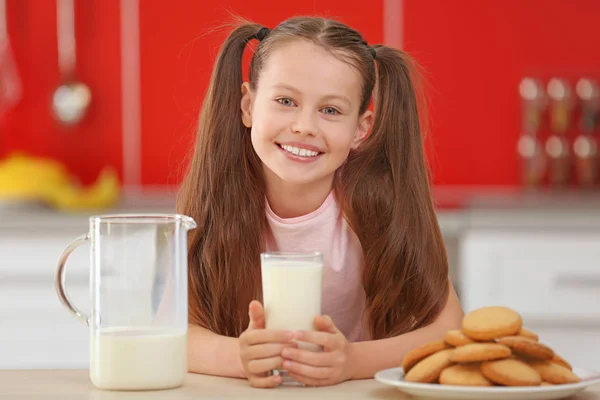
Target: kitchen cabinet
x=36 y=330
x=545 y=264
x=550 y=276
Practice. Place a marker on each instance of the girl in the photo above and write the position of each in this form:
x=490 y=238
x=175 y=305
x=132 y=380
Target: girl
x=294 y=160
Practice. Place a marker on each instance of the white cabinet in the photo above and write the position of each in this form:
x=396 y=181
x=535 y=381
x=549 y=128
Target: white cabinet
x=551 y=277
x=36 y=330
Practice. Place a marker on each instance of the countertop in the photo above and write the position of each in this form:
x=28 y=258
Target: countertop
x=19 y=216
x=458 y=208
x=75 y=384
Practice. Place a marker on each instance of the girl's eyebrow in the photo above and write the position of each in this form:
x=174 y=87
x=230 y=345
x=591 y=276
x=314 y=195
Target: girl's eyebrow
x=326 y=97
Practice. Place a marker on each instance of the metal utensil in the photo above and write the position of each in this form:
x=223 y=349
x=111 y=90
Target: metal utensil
x=557 y=145
x=71 y=99
x=10 y=81
x=585 y=146
x=529 y=146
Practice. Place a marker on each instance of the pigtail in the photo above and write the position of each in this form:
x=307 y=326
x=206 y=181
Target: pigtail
x=387 y=200
x=224 y=192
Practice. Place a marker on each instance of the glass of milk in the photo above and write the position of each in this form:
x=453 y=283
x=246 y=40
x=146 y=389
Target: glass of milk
x=138 y=294
x=292 y=287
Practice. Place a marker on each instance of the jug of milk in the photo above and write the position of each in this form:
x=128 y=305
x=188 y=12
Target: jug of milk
x=138 y=293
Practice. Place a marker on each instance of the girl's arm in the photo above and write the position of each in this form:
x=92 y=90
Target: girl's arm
x=371 y=356
x=213 y=354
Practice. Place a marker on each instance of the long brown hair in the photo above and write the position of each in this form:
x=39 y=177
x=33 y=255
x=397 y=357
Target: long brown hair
x=383 y=189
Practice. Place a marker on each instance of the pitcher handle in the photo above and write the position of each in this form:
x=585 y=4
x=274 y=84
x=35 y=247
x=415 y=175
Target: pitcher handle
x=59 y=280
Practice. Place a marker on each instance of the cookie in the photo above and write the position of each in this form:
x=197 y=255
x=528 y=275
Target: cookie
x=561 y=361
x=475 y=352
x=544 y=383
x=489 y=323
x=524 y=332
x=418 y=353
x=464 y=375
x=428 y=369
x=510 y=372
x=554 y=373
x=526 y=347
x=457 y=338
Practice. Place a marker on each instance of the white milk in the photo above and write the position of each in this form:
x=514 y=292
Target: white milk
x=292 y=295
x=138 y=359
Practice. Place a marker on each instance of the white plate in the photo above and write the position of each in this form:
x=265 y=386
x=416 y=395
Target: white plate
x=395 y=377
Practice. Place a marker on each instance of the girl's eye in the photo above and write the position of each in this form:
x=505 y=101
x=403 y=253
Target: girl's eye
x=285 y=102
x=330 y=111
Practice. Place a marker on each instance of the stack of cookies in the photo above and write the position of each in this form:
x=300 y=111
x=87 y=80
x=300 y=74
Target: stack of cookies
x=492 y=349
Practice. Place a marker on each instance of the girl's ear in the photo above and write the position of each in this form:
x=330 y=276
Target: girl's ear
x=246 y=105
x=362 y=130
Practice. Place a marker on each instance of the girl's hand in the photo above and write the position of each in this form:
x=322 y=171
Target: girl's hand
x=329 y=367
x=260 y=349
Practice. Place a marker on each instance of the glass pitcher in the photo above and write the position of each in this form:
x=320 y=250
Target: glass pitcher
x=138 y=292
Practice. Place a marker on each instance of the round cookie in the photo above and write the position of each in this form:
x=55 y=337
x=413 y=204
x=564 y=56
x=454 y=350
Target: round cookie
x=557 y=359
x=524 y=332
x=475 y=352
x=420 y=352
x=457 y=338
x=544 y=383
x=489 y=323
x=510 y=372
x=428 y=370
x=526 y=347
x=464 y=375
x=554 y=373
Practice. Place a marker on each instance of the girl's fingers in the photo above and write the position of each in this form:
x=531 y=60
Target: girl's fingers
x=317 y=359
x=308 y=371
x=265 y=381
x=308 y=381
x=267 y=350
x=259 y=336
x=263 y=365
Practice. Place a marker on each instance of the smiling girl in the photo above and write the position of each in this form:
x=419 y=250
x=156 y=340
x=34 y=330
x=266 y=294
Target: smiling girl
x=294 y=160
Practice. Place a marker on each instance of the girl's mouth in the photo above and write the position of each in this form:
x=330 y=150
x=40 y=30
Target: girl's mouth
x=298 y=153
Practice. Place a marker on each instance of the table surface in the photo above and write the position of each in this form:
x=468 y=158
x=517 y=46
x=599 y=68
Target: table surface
x=75 y=384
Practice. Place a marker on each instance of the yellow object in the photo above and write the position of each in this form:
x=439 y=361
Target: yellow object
x=25 y=178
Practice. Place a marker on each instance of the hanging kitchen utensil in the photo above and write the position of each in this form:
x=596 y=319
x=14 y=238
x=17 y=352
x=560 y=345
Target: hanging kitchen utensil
x=533 y=103
x=585 y=146
x=71 y=99
x=557 y=145
x=10 y=82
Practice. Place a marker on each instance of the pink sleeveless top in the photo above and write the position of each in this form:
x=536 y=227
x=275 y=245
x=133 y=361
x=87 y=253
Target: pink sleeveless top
x=325 y=230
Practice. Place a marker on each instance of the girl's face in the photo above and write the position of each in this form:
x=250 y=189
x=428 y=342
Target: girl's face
x=304 y=115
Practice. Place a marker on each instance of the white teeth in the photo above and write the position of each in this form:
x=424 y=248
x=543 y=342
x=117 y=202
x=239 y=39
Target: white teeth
x=299 y=152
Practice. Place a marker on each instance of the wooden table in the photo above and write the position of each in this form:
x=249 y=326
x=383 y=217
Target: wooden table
x=75 y=384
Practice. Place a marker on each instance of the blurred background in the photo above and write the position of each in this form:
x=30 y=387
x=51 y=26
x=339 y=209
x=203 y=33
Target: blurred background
x=99 y=103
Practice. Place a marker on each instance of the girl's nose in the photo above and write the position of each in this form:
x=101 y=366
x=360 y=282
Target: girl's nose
x=305 y=124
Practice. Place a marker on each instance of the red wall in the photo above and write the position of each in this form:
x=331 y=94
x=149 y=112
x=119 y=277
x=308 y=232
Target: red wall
x=30 y=126
x=177 y=53
x=475 y=53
